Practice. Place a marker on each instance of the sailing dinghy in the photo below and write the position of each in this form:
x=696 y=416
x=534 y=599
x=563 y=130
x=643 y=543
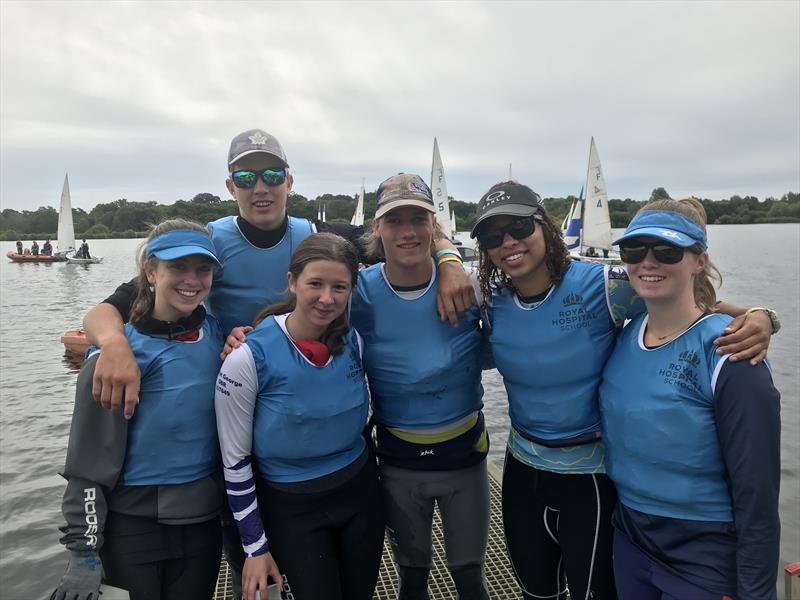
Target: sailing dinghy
x=587 y=228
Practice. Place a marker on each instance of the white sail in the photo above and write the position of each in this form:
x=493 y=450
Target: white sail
x=596 y=220
x=358 y=215
x=66 y=231
x=453 y=221
x=319 y=212
x=571 y=227
x=439 y=190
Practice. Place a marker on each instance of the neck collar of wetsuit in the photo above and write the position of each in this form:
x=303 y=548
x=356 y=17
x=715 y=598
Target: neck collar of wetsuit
x=172 y=329
x=261 y=238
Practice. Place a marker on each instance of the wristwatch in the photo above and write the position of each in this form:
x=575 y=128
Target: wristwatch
x=773 y=316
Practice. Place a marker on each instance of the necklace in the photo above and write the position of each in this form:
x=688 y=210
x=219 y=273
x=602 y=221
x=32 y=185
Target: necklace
x=681 y=328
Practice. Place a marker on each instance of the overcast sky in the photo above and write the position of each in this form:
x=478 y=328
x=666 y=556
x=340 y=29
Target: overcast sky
x=140 y=100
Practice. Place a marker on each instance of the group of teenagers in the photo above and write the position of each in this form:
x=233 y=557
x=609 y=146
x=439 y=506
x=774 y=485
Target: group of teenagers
x=334 y=405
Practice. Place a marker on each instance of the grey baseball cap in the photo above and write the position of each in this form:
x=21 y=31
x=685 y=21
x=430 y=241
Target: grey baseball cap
x=403 y=190
x=255 y=140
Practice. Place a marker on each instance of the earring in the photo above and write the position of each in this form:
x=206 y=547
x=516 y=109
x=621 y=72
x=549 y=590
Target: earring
x=151 y=288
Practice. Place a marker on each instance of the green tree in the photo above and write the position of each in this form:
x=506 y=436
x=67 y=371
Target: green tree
x=658 y=193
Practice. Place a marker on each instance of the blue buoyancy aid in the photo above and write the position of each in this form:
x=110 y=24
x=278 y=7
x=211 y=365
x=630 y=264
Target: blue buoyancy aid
x=308 y=420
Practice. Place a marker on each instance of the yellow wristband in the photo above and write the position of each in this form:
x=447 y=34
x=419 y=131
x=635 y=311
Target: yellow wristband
x=448 y=258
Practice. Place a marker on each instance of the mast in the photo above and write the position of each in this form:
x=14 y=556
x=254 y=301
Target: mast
x=66 y=230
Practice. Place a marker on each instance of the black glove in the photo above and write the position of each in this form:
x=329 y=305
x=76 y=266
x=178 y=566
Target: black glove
x=81 y=581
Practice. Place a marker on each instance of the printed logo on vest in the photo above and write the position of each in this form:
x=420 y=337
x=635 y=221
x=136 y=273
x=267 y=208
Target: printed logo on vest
x=691 y=357
x=574 y=315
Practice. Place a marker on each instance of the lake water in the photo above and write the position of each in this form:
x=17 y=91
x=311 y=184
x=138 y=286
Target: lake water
x=38 y=303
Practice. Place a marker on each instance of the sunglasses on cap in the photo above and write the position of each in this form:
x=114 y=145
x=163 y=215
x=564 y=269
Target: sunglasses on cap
x=246 y=179
x=633 y=252
x=518 y=229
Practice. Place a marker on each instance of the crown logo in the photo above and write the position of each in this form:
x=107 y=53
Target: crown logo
x=690 y=356
x=258 y=138
x=573 y=298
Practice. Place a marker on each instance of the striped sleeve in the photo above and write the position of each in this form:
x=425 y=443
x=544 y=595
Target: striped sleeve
x=235 y=398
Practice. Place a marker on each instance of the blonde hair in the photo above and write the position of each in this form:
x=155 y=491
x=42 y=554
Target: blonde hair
x=145 y=296
x=705 y=282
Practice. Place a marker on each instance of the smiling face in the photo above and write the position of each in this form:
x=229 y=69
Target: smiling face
x=322 y=290
x=180 y=285
x=665 y=283
x=262 y=206
x=406 y=234
x=522 y=260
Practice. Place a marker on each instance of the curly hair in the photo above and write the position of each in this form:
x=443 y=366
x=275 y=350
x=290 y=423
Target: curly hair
x=319 y=246
x=557 y=259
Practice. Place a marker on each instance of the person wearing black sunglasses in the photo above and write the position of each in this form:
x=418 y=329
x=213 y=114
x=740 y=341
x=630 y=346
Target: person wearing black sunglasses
x=552 y=323
x=693 y=439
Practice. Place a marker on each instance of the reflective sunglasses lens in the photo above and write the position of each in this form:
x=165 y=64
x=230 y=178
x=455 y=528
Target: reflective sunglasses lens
x=273 y=178
x=667 y=254
x=244 y=179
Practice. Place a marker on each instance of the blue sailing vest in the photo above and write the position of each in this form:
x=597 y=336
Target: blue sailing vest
x=422 y=372
x=172 y=437
x=551 y=356
x=308 y=420
x=658 y=423
x=250 y=277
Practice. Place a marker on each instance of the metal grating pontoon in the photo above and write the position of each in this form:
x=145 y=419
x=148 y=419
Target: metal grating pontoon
x=502 y=584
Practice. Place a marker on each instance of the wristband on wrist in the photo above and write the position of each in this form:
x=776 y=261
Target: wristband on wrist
x=446 y=258
x=440 y=253
x=773 y=316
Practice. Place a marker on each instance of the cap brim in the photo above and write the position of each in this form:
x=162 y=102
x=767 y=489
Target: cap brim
x=512 y=210
x=401 y=202
x=243 y=154
x=183 y=251
x=662 y=233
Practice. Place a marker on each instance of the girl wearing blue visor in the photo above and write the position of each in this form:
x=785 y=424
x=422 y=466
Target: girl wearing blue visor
x=143 y=495
x=693 y=439
x=552 y=323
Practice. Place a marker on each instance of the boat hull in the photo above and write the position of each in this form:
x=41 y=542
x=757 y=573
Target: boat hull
x=75 y=342
x=26 y=258
x=84 y=261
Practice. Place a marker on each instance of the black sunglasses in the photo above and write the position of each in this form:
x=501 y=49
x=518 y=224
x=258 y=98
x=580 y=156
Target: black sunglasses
x=246 y=179
x=633 y=252
x=519 y=229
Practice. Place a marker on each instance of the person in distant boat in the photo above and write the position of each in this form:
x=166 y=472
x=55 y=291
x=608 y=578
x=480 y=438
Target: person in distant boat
x=19 y=246
x=143 y=496
x=552 y=323
x=35 y=248
x=47 y=248
x=590 y=252
x=293 y=403
x=83 y=251
x=692 y=439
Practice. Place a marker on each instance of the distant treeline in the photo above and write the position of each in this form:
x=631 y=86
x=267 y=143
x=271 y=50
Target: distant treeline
x=124 y=219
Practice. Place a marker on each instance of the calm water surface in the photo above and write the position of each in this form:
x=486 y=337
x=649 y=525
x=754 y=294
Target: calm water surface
x=37 y=383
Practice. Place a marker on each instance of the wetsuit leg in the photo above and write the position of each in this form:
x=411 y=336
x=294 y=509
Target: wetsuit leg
x=409 y=514
x=586 y=503
x=465 y=522
x=360 y=537
x=531 y=530
x=641 y=578
x=327 y=542
x=162 y=562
